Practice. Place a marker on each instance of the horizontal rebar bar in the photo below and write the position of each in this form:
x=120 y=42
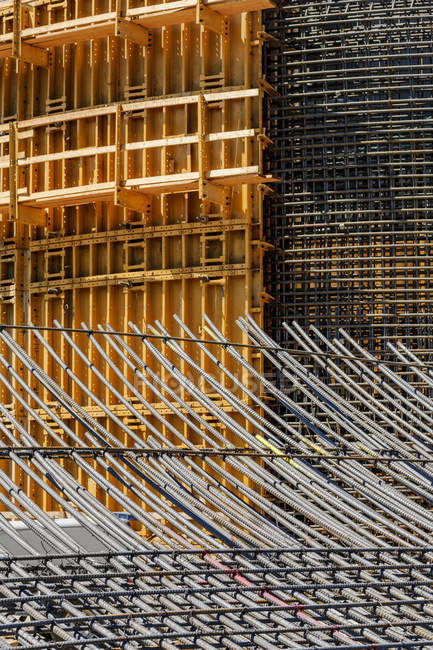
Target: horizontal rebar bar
x=223 y=344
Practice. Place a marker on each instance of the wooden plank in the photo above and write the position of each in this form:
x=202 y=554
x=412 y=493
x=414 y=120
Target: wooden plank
x=166 y=14
x=214 y=96
x=184 y=11
x=4 y=199
x=69 y=31
x=79 y=195
x=189 y=181
x=5 y=160
x=190 y=139
x=66 y=155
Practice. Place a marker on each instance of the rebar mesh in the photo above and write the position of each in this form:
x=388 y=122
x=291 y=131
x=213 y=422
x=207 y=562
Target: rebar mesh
x=353 y=140
x=325 y=543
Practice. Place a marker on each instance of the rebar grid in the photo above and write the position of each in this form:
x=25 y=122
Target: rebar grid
x=353 y=141
x=311 y=536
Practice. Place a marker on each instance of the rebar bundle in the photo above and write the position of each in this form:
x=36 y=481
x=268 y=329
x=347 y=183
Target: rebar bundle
x=315 y=533
x=353 y=139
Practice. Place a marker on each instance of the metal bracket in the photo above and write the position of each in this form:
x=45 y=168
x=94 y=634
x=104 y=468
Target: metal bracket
x=210 y=18
x=214 y=193
x=21 y=50
x=133 y=200
x=126 y=198
x=268 y=38
x=126 y=28
x=261 y=187
x=264 y=141
x=265 y=245
x=32 y=216
x=266 y=87
x=131 y=31
x=27 y=214
x=266 y=297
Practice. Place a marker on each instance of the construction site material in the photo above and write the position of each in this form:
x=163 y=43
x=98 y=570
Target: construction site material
x=131 y=164
x=351 y=219
x=309 y=533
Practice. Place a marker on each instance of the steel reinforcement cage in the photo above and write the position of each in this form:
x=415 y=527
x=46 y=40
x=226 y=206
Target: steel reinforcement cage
x=352 y=129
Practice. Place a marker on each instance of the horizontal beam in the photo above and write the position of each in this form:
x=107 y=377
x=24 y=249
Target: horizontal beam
x=130 y=146
x=229 y=94
x=168 y=183
x=166 y=230
x=107 y=24
x=137 y=278
x=184 y=11
x=122 y=412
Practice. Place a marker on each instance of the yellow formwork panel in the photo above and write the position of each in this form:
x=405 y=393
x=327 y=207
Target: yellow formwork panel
x=131 y=180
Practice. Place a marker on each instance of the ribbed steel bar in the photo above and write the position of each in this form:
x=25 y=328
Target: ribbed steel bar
x=328 y=541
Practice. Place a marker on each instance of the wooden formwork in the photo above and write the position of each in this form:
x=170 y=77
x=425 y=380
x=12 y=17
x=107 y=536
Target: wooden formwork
x=131 y=180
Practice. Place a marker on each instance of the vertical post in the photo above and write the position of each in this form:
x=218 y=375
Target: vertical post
x=22 y=264
x=202 y=153
x=17 y=28
x=201 y=113
x=13 y=171
x=118 y=155
x=121 y=9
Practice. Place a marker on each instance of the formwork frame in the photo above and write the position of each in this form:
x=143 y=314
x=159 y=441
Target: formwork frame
x=131 y=164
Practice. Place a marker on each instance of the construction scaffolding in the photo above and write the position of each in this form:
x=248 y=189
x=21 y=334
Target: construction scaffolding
x=131 y=147
x=316 y=534
x=353 y=141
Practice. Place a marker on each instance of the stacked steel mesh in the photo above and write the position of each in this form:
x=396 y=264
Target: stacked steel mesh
x=353 y=145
